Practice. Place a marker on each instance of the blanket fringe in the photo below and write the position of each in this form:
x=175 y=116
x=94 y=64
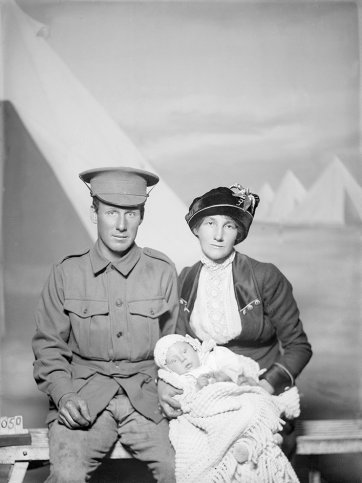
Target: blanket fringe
x=204 y=454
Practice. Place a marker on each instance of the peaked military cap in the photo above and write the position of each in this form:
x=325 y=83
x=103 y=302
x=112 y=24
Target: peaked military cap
x=121 y=186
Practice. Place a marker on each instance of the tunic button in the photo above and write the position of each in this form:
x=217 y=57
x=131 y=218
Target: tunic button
x=152 y=312
x=119 y=334
x=118 y=302
x=85 y=311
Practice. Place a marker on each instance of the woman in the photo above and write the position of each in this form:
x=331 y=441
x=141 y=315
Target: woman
x=241 y=303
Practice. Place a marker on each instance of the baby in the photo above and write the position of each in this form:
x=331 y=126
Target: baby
x=202 y=364
x=187 y=364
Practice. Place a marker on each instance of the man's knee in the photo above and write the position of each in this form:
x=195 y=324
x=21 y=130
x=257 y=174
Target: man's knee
x=74 y=454
x=70 y=465
x=68 y=471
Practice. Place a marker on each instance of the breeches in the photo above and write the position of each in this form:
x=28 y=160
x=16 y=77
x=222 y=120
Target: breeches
x=76 y=453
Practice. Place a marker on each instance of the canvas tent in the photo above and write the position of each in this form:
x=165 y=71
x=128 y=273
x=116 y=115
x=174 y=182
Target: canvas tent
x=334 y=199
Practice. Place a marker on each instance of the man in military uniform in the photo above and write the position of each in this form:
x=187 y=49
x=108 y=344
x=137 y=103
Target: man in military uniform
x=100 y=314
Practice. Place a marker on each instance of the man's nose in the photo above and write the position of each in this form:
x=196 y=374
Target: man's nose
x=121 y=224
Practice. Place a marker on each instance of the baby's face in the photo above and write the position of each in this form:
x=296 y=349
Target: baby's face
x=182 y=358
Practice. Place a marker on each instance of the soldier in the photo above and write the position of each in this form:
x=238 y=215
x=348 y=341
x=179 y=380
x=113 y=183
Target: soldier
x=100 y=315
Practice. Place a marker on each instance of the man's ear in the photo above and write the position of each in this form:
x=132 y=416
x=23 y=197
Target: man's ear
x=93 y=215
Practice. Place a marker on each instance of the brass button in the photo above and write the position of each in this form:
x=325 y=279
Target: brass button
x=119 y=302
x=119 y=334
x=152 y=312
x=85 y=311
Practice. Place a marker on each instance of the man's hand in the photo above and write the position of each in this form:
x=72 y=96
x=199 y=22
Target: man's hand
x=170 y=407
x=73 y=412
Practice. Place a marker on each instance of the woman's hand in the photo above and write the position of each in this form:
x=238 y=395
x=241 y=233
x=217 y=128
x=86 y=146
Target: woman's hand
x=170 y=407
x=267 y=386
x=247 y=381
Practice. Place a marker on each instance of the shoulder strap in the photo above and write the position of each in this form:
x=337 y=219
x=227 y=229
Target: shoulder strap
x=74 y=255
x=151 y=252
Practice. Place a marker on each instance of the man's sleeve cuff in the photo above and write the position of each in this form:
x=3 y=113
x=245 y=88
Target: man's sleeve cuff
x=60 y=388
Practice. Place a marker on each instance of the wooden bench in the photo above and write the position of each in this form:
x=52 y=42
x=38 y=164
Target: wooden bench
x=19 y=457
x=313 y=438
x=328 y=436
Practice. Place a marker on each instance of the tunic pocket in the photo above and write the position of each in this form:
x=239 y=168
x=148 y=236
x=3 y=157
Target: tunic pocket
x=152 y=308
x=145 y=325
x=90 y=326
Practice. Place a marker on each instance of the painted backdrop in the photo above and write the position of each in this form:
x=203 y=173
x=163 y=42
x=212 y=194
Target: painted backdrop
x=205 y=94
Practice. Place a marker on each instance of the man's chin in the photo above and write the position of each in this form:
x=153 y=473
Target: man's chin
x=119 y=249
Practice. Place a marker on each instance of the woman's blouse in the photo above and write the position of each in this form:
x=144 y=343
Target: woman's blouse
x=272 y=333
x=215 y=314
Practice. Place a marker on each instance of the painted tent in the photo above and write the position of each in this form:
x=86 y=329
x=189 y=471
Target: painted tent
x=74 y=132
x=334 y=199
x=266 y=195
x=54 y=129
x=289 y=194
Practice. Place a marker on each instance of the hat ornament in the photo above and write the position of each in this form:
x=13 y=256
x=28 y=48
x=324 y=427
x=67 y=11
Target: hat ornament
x=246 y=198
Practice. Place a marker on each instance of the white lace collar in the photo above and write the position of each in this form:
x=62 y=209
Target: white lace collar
x=213 y=266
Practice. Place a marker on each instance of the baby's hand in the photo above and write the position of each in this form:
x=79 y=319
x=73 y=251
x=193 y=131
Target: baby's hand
x=203 y=381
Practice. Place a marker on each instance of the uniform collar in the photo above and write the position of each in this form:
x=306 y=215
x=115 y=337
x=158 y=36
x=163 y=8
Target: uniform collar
x=124 y=265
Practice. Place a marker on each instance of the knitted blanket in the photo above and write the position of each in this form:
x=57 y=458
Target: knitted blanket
x=213 y=420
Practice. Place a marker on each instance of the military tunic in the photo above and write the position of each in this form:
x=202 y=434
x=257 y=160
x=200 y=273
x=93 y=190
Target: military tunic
x=97 y=325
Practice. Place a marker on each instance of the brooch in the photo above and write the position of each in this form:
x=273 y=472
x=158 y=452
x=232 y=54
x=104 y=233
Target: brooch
x=249 y=306
x=184 y=302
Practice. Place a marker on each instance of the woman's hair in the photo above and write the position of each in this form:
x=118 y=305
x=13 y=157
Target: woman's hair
x=95 y=205
x=239 y=226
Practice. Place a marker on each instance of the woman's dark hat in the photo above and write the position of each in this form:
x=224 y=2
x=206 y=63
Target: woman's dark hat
x=119 y=186
x=237 y=202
